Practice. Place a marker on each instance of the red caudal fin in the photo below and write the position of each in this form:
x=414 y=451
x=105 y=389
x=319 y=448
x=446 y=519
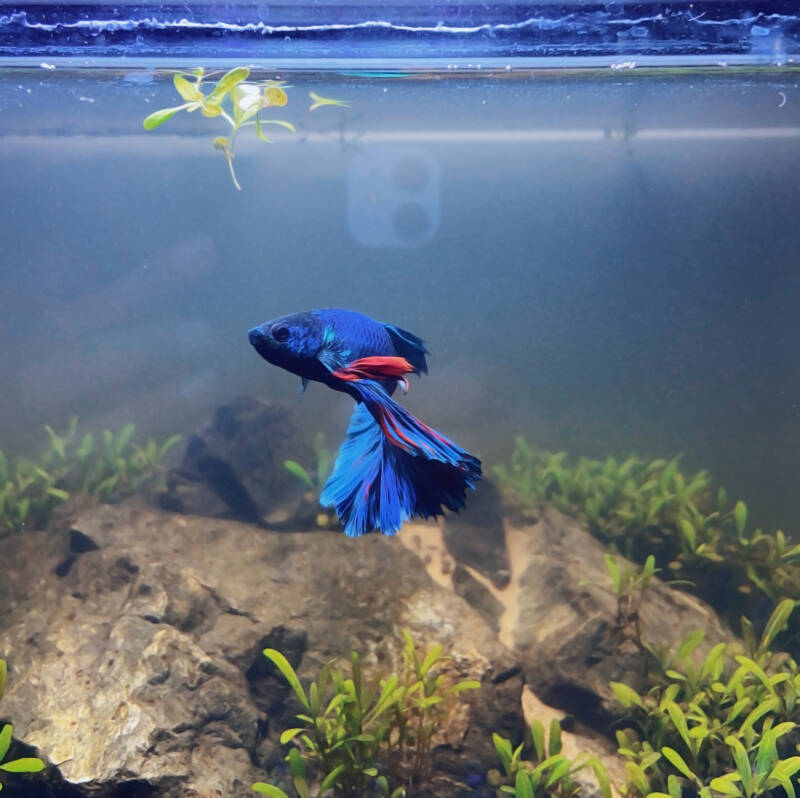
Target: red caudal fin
x=375 y=368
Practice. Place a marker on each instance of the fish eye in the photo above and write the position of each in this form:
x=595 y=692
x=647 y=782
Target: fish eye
x=280 y=334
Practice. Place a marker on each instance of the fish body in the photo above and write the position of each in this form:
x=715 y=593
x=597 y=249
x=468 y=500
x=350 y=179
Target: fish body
x=391 y=466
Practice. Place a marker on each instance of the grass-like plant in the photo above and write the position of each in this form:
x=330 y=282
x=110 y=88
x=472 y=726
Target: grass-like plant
x=27 y=764
x=236 y=100
x=314 y=479
x=546 y=773
x=358 y=735
x=104 y=468
x=725 y=725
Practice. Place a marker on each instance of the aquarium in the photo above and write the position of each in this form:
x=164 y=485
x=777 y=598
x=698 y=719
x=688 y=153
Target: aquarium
x=399 y=399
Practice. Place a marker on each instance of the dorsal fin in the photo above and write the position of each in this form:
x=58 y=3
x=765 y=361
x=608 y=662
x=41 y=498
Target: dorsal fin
x=410 y=347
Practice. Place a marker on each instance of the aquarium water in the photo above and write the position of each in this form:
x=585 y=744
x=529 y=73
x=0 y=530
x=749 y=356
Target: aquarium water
x=589 y=212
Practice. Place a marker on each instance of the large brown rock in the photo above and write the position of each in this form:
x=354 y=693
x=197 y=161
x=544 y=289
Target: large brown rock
x=140 y=664
x=567 y=632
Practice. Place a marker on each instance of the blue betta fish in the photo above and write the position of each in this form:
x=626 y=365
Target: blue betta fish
x=391 y=466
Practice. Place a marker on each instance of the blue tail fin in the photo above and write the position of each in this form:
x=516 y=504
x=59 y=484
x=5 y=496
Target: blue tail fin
x=392 y=467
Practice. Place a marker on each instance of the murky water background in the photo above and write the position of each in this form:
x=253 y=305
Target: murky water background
x=606 y=262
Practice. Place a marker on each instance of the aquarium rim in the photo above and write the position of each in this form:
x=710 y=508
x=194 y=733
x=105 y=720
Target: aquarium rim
x=395 y=67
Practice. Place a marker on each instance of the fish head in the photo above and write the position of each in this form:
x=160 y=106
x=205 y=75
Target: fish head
x=291 y=342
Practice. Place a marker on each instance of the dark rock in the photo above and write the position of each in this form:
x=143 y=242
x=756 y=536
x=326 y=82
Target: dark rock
x=141 y=667
x=476 y=535
x=478 y=596
x=233 y=468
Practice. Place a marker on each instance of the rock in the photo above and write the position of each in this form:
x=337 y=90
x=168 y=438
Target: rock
x=140 y=669
x=476 y=536
x=478 y=596
x=566 y=632
x=233 y=468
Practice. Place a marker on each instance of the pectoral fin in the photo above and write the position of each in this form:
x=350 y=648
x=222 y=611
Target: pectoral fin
x=303 y=385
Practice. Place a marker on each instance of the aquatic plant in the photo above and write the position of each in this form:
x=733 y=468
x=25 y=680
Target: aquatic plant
x=111 y=467
x=237 y=102
x=630 y=584
x=725 y=724
x=547 y=772
x=315 y=478
x=645 y=509
x=360 y=734
x=26 y=764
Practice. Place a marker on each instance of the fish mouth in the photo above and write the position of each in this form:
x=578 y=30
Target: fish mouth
x=257 y=336
x=260 y=339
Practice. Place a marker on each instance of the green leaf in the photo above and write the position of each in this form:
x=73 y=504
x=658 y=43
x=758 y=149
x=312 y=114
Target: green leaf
x=678 y=762
x=296 y=470
x=674 y=787
x=679 y=720
x=269 y=789
x=626 y=696
x=290 y=734
x=522 y=785
x=613 y=571
x=740 y=758
x=166 y=446
x=57 y=493
x=537 y=733
x=27 y=764
x=725 y=784
x=260 y=132
x=689 y=532
x=432 y=657
x=503 y=748
x=187 y=90
x=689 y=644
x=637 y=777
x=123 y=438
x=467 y=684
x=754 y=668
x=740 y=517
x=281 y=122
x=227 y=82
x=601 y=774
x=5 y=740
x=331 y=778
x=85 y=449
x=298 y=768
x=554 y=742
x=164 y=115
x=282 y=664
x=712 y=659
x=776 y=623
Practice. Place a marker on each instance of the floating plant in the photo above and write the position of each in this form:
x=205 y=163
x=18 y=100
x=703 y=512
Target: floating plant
x=237 y=101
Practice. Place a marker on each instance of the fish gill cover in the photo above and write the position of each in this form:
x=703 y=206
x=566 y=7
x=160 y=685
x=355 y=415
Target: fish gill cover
x=750 y=32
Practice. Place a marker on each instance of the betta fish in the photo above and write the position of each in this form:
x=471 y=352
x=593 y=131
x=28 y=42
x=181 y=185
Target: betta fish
x=391 y=466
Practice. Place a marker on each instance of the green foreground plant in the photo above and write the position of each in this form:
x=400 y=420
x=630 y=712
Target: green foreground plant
x=547 y=772
x=26 y=764
x=359 y=734
x=727 y=724
x=106 y=467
